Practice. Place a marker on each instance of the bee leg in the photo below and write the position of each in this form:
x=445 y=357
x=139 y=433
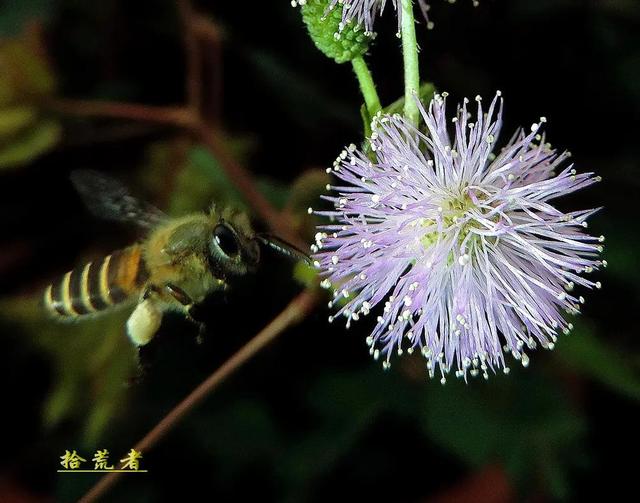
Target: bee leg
x=183 y=298
x=202 y=329
x=144 y=362
x=151 y=290
x=179 y=294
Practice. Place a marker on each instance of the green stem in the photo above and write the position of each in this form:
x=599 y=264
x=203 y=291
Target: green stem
x=410 y=56
x=367 y=86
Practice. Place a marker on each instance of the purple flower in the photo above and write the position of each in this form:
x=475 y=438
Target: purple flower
x=364 y=12
x=461 y=249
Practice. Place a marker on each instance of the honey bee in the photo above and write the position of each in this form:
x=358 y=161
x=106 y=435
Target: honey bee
x=179 y=263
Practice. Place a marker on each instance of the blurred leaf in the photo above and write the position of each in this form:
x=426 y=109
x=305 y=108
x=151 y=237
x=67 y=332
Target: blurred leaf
x=366 y=121
x=426 y=92
x=306 y=190
x=305 y=274
x=60 y=403
x=202 y=159
x=305 y=193
x=15 y=118
x=346 y=406
x=250 y=425
x=15 y=14
x=629 y=66
x=463 y=425
x=276 y=192
x=201 y=183
x=30 y=144
x=25 y=80
x=200 y=180
x=556 y=433
x=520 y=422
x=92 y=359
x=187 y=178
x=621 y=246
x=25 y=75
x=591 y=356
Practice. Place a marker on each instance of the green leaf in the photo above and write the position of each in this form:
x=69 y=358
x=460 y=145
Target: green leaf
x=621 y=245
x=200 y=182
x=366 y=121
x=306 y=190
x=346 y=405
x=305 y=274
x=276 y=192
x=458 y=420
x=30 y=144
x=16 y=118
x=521 y=421
x=248 y=423
x=92 y=360
x=426 y=92
x=62 y=400
x=25 y=75
x=592 y=356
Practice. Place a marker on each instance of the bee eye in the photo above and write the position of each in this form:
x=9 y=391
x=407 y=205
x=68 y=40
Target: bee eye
x=226 y=240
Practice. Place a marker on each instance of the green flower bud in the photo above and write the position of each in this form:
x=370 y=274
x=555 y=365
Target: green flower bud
x=339 y=41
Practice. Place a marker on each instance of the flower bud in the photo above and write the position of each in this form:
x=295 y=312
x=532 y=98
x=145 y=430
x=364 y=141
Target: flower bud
x=339 y=41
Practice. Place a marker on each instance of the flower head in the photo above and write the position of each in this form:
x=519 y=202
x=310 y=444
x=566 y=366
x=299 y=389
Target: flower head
x=365 y=12
x=461 y=249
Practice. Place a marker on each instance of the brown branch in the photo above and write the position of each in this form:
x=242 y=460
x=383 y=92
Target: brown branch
x=211 y=36
x=489 y=484
x=184 y=118
x=180 y=117
x=206 y=28
x=193 y=57
x=295 y=312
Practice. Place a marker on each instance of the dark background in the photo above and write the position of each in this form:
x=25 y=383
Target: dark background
x=311 y=418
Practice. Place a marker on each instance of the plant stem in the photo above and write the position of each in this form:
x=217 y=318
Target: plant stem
x=367 y=86
x=295 y=312
x=411 y=67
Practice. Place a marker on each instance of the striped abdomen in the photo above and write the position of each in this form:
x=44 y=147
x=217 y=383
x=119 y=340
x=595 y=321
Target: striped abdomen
x=98 y=285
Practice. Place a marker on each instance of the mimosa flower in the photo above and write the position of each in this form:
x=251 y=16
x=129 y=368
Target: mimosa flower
x=461 y=249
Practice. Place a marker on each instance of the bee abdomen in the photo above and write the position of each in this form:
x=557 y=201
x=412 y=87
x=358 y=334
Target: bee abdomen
x=99 y=285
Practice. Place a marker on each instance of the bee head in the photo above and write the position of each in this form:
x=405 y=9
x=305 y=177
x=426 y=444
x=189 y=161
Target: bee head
x=232 y=251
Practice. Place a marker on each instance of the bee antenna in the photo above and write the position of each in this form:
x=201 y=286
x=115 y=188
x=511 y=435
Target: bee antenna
x=283 y=248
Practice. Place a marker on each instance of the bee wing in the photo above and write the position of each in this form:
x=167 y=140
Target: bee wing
x=110 y=199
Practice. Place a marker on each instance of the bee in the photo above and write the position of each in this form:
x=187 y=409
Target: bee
x=179 y=262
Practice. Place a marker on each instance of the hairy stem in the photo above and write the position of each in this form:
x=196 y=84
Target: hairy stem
x=295 y=312
x=367 y=85
x=410 y=57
